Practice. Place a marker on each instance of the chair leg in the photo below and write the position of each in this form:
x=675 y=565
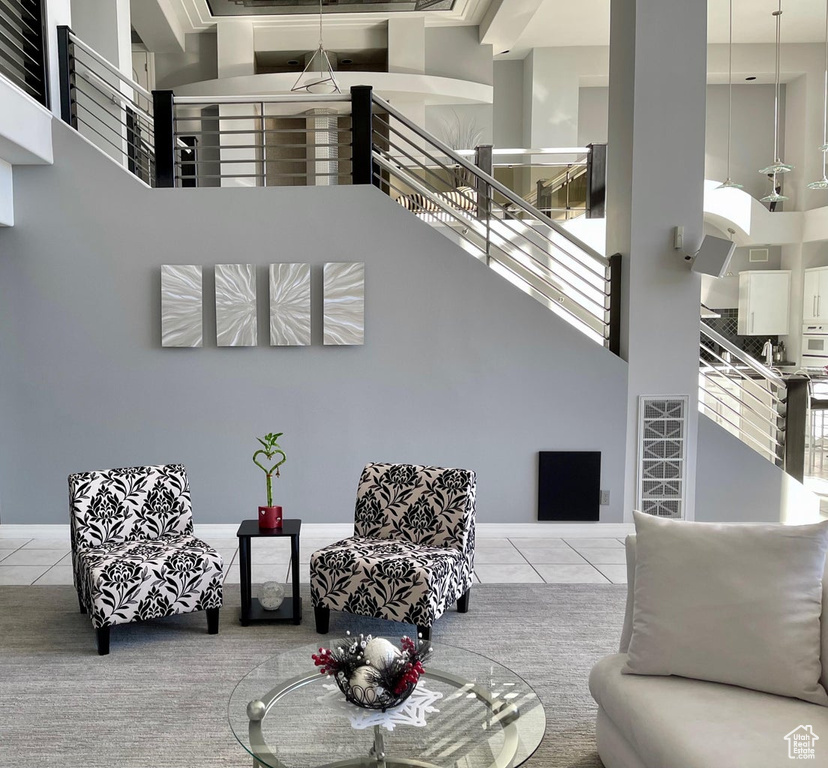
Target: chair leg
x=103 y=640
x=424 y=632
x=212 y=621
x=323 y=619
x=80 y=603
x=463 y=601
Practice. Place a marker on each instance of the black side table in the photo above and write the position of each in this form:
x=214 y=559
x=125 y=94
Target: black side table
x=251 y=608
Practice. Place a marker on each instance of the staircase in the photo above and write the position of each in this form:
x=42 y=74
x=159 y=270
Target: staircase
x=358 y=138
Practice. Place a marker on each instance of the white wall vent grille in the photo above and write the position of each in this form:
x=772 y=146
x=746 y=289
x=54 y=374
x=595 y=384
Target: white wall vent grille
x=758 y=254
x=662 y=455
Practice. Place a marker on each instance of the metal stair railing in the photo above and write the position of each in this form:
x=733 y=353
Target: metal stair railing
x=495 y=224
x=742 y=395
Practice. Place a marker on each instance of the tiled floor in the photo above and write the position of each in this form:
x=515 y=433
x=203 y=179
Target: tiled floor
x=518 y=560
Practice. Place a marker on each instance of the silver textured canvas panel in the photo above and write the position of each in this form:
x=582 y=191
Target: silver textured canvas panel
x=290 y=318
x=344 y=304
x=236 y=305
x=181 y=324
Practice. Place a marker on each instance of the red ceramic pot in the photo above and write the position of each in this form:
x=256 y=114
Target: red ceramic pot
x=270 y=517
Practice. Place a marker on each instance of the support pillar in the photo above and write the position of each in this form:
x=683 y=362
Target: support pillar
x=656 y=140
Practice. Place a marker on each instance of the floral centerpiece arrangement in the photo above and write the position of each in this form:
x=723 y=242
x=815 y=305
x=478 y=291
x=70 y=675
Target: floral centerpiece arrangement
x=371 y=671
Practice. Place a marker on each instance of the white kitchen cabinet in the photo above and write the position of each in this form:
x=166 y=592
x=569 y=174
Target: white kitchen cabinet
x=764 y=302
x=815 y=296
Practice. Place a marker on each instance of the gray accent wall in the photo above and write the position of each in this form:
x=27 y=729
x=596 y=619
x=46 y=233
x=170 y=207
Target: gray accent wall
x=459 y=368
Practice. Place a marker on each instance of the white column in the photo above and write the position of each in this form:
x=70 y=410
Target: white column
x=655 y=183
x=6 y=195
x=58 y=14
x=406 y=45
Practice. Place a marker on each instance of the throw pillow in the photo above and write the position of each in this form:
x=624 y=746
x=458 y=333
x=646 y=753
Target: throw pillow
x=736 y=604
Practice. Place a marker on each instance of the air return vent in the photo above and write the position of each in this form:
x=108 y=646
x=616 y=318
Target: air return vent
x=758 y=254
x=662 y=454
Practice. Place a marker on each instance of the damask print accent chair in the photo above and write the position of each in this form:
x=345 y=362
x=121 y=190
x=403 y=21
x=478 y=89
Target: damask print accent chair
x=134 y=555
x=412 y=554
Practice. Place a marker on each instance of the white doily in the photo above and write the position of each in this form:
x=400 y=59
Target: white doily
x=412 y=711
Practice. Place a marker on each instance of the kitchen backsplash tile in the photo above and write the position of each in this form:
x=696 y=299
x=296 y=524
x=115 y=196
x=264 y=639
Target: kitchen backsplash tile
x=728 y=325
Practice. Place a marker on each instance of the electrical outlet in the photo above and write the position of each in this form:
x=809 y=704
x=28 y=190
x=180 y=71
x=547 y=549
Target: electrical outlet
x=604 y=498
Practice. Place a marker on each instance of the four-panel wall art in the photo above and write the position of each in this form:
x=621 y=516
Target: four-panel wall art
x=236 y=304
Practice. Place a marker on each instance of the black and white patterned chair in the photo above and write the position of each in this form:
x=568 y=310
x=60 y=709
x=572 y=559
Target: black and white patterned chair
x=134 y=555
x=412 y=555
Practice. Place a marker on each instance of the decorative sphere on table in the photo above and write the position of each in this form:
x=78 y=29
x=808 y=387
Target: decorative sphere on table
x=256 y=710
x=379 y=652
x=271 y=595
x=363 y=687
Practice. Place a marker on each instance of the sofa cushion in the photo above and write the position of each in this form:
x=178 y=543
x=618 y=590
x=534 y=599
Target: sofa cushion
x=674 y=722
x=737 y=604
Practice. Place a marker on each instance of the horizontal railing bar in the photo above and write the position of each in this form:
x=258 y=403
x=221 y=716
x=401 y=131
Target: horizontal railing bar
x=104 y=63
x=113 y=95
x=270 y=175
x=494 y=183
x=462 y=235
x=770 y=424
x=465 y=196
x=475 y=224
x=20 y=20
x=27 y=70
x=245 y=161
x=260 y=116
x=469 y=217
x=108 y=123
x=121 y=137
x=8 y=30
x=19 y=81
x=272 y=98
x=741 y=355
x=537 y=284
x=281 y=147
x=256 y=131
x=729 y=367
x=575 y=257
x=743 y=435
x=106 y=139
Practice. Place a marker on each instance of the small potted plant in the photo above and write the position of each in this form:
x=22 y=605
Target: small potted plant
x=270 y=516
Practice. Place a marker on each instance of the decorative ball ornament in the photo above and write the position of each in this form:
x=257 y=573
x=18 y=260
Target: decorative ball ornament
x=363 y=687
x=271 y=595
x=379 y=652
x=256 y=710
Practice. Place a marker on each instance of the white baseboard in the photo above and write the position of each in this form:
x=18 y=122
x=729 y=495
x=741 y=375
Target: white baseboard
x=341 y=530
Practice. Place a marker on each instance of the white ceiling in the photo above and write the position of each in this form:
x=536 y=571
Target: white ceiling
x=586 y=22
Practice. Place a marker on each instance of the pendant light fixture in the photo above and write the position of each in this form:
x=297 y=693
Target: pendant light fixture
x=728 y=183
x=823 y=182
x=777 y=167
x=323 y=80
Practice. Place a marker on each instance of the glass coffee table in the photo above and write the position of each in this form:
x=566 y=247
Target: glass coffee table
x=466 y=712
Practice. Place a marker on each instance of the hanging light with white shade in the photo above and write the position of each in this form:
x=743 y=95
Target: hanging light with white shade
x=778 y=166
x=728 y=183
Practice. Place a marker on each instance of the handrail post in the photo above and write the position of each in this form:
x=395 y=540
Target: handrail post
x=614 y=337
x=796 y=417
x=66 y=75
x=163 y=128
x=484 y=161
x=362 y=160
x=596 y=181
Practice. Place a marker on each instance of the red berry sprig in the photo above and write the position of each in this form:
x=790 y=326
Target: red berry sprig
x=409 y=677
x=325 y=660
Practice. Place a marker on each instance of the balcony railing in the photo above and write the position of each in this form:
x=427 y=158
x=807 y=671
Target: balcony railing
x=23 y=46
x=106 y=106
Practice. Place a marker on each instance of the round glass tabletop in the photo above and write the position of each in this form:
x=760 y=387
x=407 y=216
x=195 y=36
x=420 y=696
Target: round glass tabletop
x=466 y=712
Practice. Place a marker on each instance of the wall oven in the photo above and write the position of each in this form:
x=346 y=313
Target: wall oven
x=814 y=346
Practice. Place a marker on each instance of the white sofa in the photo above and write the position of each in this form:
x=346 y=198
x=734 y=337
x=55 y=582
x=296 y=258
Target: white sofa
x=674 y=722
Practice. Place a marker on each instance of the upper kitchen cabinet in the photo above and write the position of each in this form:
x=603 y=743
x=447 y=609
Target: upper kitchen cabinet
x=764 y=301
x=815 y=297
